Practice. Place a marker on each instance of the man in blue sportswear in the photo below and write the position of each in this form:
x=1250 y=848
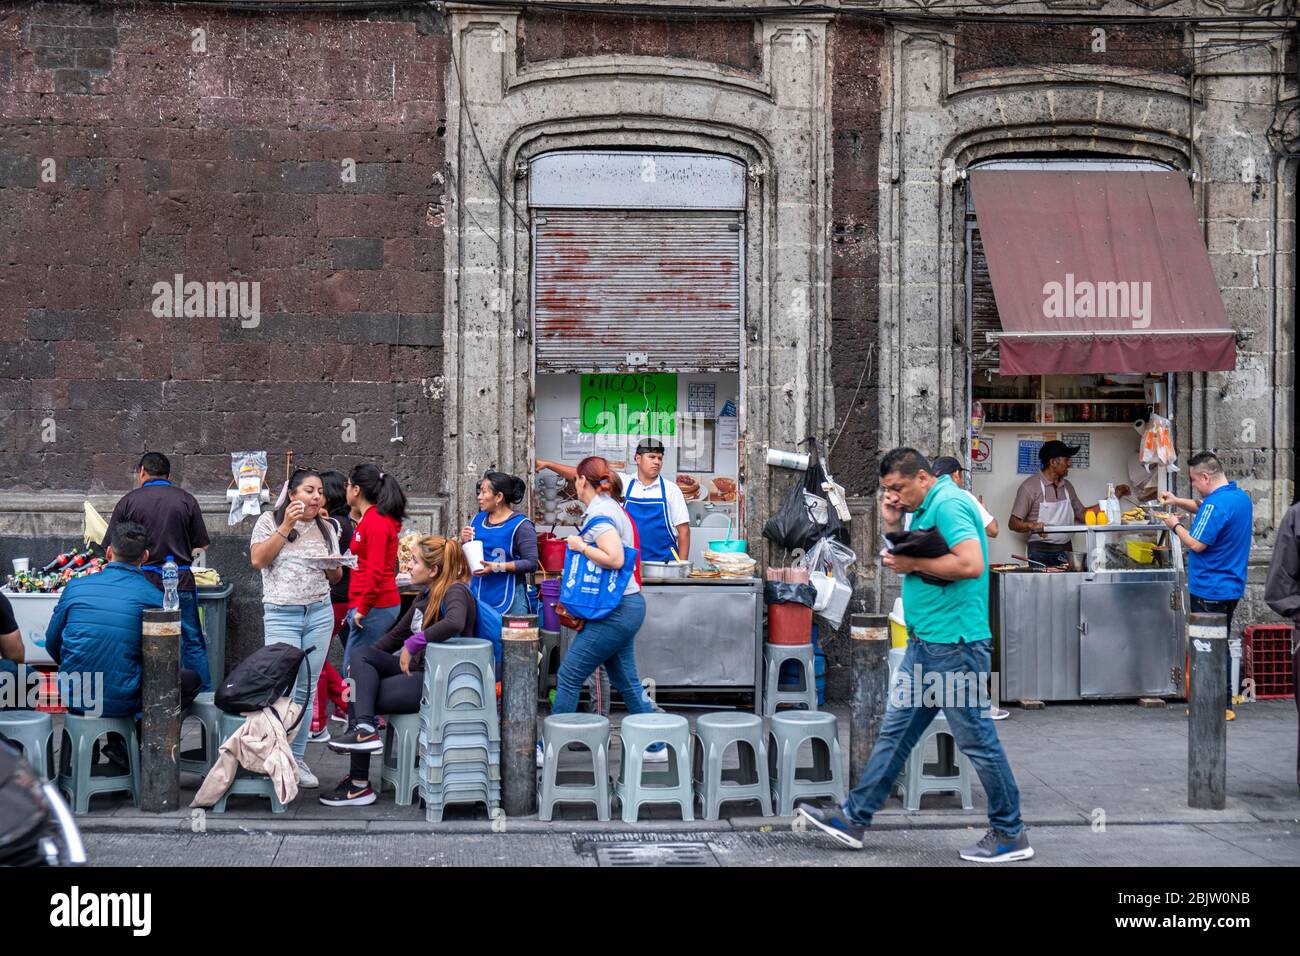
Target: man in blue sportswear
x=948 y=649
x=1218 y=542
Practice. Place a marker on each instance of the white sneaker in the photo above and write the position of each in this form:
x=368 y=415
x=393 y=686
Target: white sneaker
x=541 y=756
x=306 y=779
x=997 y=713
x=321 y=736
x=655 y=756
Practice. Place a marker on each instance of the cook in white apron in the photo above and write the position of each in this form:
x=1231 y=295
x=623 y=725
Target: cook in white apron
x=1052 y=548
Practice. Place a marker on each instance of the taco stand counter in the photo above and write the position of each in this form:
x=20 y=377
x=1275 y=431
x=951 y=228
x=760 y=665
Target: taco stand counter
x=701 y=635
x=1113 y=633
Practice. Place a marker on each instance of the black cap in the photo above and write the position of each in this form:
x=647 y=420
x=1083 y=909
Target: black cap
x=651 y=446
x=1056 y=449
x=946 y=465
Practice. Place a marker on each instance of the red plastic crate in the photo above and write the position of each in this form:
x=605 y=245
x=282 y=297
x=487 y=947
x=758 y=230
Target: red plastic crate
x=1268 y=648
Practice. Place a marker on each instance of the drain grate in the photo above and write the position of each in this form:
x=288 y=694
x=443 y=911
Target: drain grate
x=655 y=854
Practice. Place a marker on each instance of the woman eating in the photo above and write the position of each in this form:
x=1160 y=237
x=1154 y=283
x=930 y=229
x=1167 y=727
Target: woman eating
x=509 y=544
x=388 y=684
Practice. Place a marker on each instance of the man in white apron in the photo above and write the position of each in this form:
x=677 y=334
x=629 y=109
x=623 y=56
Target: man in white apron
x=1047 y=499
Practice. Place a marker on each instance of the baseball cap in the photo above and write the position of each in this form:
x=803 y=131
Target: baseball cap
x=1056 y=449
x=946 y=465
x=651 y=446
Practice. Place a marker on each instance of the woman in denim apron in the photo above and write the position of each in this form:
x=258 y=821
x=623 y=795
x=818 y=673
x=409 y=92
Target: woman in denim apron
x=509 y=545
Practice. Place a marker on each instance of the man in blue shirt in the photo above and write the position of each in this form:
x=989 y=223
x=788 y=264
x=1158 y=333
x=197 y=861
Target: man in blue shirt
x=1218 y=542
x=947 y=664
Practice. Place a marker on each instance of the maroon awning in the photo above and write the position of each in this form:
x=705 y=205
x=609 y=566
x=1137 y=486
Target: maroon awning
x=1099 y=272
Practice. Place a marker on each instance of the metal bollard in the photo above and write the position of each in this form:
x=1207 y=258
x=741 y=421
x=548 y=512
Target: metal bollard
x=869 y=649
x=519 y=648
x=1207 y=731
x=160 y=692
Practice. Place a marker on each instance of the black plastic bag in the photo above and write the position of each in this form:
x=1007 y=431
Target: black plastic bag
x=795 y=527
x=779 y=592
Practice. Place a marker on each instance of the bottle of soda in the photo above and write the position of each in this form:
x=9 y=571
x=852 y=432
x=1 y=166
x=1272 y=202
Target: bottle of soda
x=79 y=559
x=59 y=562
x=171 y=580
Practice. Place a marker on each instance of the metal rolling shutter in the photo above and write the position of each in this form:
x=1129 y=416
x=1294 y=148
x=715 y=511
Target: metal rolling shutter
x=610 y=286
x=983 y=311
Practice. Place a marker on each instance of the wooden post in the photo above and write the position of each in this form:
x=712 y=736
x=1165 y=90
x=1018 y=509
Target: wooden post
x=160 y=692
x=1207 y=730
x=869 y=649
x=519 y=649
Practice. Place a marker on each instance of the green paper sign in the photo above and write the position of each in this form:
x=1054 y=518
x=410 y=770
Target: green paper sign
x=630 y=404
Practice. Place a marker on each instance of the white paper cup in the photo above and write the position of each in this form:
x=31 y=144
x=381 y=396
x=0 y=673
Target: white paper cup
x=22 y=564
x=474 y=554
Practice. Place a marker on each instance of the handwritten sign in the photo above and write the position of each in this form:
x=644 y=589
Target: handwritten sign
x=632 y=404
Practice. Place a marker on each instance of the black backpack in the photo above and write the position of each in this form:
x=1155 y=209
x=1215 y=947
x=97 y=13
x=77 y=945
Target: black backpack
x=261 y=679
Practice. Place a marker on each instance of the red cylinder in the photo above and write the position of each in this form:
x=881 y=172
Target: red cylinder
x=551 y=551
x=789 y=623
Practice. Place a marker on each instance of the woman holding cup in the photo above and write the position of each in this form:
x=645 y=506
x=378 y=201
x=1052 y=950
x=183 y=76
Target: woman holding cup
x=501 y=545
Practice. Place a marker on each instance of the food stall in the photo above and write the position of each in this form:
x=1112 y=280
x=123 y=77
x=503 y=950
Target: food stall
x=1088 y=286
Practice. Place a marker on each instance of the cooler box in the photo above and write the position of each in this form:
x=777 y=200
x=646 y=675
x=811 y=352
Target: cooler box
x=33 y=613
x=897 y=625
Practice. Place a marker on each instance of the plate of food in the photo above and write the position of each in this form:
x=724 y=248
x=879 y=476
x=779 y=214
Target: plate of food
x=722 y=490
x=331 y=561
x=690 y=486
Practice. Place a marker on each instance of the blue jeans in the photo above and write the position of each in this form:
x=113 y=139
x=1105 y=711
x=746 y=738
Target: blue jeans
x=972 y=729
x=377 y=622
x=308 y=627
x=194 y=648
x=608 y=641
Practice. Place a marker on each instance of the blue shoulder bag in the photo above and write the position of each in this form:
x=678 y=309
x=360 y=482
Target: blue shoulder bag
x=588 y=591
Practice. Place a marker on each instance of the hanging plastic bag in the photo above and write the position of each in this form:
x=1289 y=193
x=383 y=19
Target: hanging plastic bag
x=1158 y=443
x=806 y=514
x=248 y=469
x=830 y=565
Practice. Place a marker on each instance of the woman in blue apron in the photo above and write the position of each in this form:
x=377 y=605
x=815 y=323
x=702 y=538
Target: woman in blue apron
x=509 y=545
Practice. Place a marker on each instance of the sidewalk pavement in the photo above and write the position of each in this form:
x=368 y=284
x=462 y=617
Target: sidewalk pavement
x=1088 y=766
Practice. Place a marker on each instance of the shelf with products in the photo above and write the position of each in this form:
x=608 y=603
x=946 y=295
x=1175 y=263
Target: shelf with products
x=1060 y=399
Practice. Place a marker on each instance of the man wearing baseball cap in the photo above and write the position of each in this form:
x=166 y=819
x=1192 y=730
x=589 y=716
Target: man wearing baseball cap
x=947 y=465
x=1048 y=499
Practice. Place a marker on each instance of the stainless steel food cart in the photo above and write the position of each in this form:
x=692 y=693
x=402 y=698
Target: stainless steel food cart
x=1113 y=631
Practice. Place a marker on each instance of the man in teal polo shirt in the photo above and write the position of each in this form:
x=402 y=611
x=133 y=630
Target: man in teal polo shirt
x=946 y=665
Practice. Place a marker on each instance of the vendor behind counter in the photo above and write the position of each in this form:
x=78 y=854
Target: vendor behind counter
x=1047 y=499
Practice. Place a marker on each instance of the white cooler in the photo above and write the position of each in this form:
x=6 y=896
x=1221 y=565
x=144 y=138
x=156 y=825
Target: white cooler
x=33 y=613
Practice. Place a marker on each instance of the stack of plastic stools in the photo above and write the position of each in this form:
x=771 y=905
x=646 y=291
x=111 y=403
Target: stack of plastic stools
x=33 y=732
x=460 y=730
x=245 y=782
x=791 y=782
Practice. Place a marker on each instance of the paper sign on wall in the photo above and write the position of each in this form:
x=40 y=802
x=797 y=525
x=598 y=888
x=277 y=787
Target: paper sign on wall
x=1083 y=441
x=701 y=399
x=1027 y=462
x=727 y=430
x=629 y=404
x=981 y=455
x=573 y=443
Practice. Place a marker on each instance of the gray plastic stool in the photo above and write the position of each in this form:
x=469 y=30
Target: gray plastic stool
x=951 y=775
x=824 y=778
x=774 y=655
x=558 y=731
x=550 y=655
x=209 y=717
x=246 y=782
x=400 y=759
x=639 y=731
x=714 y=733
x=34 y=732
x=443 y=675
x=75 y=773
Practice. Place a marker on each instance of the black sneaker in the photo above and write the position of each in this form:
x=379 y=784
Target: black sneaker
x=359 y=737
x=999 y=847
x=833 y=821
x=348 y=794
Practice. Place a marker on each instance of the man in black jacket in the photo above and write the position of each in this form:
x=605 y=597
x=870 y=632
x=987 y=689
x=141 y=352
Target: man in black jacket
x=1282 y=594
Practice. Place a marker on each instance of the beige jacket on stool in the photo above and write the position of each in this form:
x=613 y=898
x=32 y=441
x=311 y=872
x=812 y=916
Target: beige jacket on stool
x=261 y=746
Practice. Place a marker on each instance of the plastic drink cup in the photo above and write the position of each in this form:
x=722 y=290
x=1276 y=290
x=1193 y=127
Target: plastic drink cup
x=474 y=554
x=22 y=564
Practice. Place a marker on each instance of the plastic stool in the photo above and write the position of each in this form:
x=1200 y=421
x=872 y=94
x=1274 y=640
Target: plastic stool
x=33 y=732
x=950 y=776
x=558 y=731
x=550 y=655
x=245 y=782
x=639 y=731
x=209 y=717
x=824 y=778
x=75 y=772
x=714 y=733
x=444 y=675
x=398 y=765
x=777 y=654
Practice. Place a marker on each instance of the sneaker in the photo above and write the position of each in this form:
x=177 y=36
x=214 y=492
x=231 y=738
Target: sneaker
x=997 y=713
x=998 y=847
x=347 y=794
x=306 y=779
x=541 y=756
x=833 y=821
x=1230 y=715
x=655 y=756
x=321 y=736
x=358 y=738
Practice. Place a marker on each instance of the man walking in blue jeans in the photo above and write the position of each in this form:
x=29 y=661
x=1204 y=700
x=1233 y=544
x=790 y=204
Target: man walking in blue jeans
x=948 y=650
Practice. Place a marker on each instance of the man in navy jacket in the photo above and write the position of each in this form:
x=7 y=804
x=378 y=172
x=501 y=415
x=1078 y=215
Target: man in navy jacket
x=95 y=629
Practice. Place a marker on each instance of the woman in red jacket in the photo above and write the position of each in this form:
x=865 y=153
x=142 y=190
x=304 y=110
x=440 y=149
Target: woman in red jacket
x=379 y=505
